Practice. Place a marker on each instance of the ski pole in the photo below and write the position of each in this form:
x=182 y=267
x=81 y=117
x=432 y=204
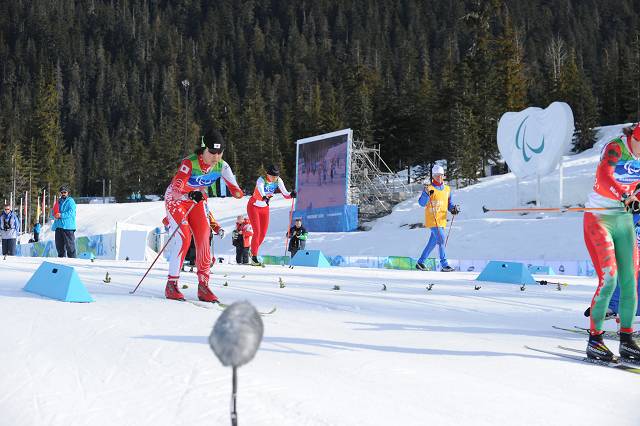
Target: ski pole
x=449 y=231
x=552 y=209
x=163 y=247
x=286 y=242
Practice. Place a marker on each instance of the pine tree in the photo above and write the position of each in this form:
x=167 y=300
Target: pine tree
x=254 y=130
x=430 y=147
x=635 y=74
x=576 y=91
x=331 y=117
x=360 y=87
x=47 y=131
x=510 y=70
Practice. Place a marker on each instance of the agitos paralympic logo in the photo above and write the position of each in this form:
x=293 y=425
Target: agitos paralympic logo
x=203 y=180
x=521 y=142
x=627 y=172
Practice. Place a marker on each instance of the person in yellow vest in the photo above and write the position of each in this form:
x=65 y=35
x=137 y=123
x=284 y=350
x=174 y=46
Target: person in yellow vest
x=436 y=200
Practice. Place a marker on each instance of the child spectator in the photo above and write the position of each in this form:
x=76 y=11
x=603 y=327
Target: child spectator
x=242 y=239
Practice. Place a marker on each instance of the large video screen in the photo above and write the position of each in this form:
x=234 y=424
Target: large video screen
x=322 y=170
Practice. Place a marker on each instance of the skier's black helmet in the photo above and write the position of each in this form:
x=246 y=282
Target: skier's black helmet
x=273 y=170
x=64 y=188
x=214 y=141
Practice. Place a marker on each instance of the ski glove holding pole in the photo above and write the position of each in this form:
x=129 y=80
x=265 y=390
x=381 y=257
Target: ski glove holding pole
x=196 y=196
x=455 y=209
x=634 y=207
x=631 y=203
x=266 y=199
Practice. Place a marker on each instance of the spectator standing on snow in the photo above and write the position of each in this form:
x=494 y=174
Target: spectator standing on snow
x=64 y=225
x=611 y=241
x=436 y=200
x=297 y=237
x=258 y=207
x=36 y=232
x=9 y=231
x=242 y=239
x=187 y=193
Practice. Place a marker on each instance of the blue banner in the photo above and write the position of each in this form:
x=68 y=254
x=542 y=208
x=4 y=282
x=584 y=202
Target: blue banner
x=342 y=218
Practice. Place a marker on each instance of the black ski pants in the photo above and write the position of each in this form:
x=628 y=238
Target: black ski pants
x=66 y=242
x=9 y=247
x=242 y=255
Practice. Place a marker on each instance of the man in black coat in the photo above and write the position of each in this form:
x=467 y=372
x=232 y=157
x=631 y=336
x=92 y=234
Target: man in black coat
x=297 y=237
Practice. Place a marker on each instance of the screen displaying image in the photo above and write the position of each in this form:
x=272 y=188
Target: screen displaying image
x=322 y=173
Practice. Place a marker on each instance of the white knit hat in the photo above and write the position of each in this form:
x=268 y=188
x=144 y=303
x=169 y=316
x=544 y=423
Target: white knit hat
x=437 y=170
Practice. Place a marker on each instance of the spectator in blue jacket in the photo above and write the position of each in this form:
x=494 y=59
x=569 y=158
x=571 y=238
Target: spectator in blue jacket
x=36 y=233
x=9 y=230
x=64 y=213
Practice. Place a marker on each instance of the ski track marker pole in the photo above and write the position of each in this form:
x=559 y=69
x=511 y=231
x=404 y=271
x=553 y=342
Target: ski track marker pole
x=552 y=209
x=163 y=247
x=286 y=242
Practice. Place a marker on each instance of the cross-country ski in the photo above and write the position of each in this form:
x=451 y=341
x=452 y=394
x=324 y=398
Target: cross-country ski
x=615 y=364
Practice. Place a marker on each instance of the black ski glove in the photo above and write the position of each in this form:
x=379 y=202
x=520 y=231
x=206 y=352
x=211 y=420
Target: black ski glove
x=293 y=194
x=633 y=206
x=196 y=196
x=455 y=209
x=266 y=199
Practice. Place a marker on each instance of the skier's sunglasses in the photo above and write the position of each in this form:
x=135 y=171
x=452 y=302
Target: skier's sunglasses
x=215 y=151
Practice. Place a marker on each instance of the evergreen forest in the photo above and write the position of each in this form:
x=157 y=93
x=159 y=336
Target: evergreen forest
x=118 y=91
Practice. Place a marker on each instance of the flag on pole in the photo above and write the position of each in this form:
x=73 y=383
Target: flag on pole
x=38 y=211
x=44 y=207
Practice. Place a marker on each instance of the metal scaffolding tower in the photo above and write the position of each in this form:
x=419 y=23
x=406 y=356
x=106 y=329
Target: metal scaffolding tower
x=372 y=184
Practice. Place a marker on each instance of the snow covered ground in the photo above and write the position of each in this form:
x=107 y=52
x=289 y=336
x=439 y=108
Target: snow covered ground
x=354 y=356
x=357 y=356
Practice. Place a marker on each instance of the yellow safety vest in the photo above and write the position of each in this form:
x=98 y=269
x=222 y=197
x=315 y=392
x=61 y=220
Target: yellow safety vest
x=435 y=212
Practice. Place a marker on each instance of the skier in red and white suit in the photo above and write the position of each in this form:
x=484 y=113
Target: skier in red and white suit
x=188 y=191
x=258 y=207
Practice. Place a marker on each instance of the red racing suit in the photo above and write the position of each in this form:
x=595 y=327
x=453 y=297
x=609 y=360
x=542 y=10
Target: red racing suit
x=194 y=175
x=258 y=209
